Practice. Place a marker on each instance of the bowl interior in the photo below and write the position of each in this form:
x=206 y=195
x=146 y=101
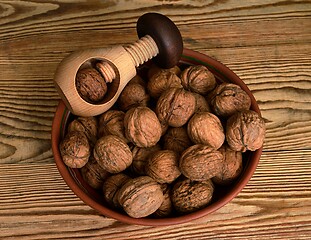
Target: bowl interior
x=222 y=195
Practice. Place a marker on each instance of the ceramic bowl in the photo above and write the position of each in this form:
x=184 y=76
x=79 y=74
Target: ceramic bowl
x=221 y=197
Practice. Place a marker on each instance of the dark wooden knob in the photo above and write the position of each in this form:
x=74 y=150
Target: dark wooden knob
x=165 y=34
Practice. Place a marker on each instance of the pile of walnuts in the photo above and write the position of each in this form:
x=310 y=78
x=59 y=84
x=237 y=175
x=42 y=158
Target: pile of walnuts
x=167 y=143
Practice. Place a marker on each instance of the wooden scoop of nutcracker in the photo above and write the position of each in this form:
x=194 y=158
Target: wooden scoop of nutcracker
x=160 y=39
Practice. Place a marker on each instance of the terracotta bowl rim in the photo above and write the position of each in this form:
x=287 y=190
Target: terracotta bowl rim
x=190 y=57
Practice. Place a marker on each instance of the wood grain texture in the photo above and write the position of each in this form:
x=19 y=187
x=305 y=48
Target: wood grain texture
x=267 y=43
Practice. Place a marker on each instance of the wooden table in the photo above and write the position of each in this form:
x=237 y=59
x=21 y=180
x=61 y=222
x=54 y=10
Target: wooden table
x=267 y=43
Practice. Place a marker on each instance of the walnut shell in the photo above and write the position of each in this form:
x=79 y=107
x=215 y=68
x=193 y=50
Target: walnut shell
x=166 y=207
x=189 y=196
x=111 y=187
x=161 y=81
x=175 y=106
x=112 y=123
x=87 y=125
x=93 y=174
x=206 y=128
x=133 y=95
x=141 y=157
x=140 y=196
x=112 y=154
x=177 y=140
x=245 y=131
x=198 y=79
x=231 y=166
x=201 y=105
x=137 y=79
x=155 y=69
x=200 y=162
x=75 y=149
x=90 y=85
x=162 y=166
x=229 y=98
x=142 y=127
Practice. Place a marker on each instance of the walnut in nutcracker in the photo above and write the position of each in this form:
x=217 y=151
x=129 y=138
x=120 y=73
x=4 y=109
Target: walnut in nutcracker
x=229 y=98
x=176 y=139
x=142 y=127
x=231 y=166
x=90 y=85
x=87 y=125
x=133 y=95
x=140 y=196
x=200 y=162
x=75 y=149
x=162 y=166
x=245 y=131
x=112 y=153
x=198 y=79
x=93 y=174
x=141 y=157
x=111 y=187
x=206 y=128
x=112 y=123
x=161 y=81
x=189 y=196
x=175 y=106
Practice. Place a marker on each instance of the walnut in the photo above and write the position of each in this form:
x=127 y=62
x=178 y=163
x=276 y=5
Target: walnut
x=175 y=106
x=90 y=85
x=161 y=81
x=112 y=123
x=206 y=128
x=111 y=187
x=231 y=166
x=162 y=166
x=176 y=139
x=228 y=98
x=142 y=127
x=198 y=79
x=166 y=207
x=154 y=69
x=75 y=149
x=137 y=79
x=200 y=162
x=93 y=174
x=201 y=105
x=245 y=131
x=112 y=153
x=189 y=196
x=140 y=196
x=141 y=157
x=133 y=95
x=87 y=125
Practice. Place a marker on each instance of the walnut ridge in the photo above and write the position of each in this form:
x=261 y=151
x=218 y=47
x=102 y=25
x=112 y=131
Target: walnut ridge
x=175 y=106
x=229 y=98
x=245 y=131
x=198 y=79
x=142 y=127
x=162 y=166
x=189 y=196
x=206 y=128
x=112 y=154
x=200 y=162
x=140 y=196
x=75 y=149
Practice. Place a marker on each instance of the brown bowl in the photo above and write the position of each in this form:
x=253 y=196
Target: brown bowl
x=93 y=198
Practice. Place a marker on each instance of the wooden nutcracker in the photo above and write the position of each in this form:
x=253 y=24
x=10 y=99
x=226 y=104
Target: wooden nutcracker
x=160 y=39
